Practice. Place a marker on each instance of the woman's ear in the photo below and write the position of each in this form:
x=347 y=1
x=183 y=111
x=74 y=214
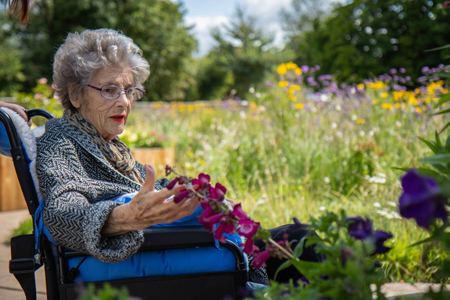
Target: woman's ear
x=74 y=97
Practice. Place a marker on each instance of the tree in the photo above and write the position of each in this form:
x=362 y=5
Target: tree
x=156 y=26
x=367 y=37
x=242 y=57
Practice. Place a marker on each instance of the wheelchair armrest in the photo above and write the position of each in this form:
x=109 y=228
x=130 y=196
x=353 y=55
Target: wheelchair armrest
x=176 y=237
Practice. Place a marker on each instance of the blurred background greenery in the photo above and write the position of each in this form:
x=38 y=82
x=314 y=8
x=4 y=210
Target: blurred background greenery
x=349 y=41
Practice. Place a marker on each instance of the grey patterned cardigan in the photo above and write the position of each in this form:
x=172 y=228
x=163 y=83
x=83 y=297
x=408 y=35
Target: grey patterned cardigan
x=77 y=183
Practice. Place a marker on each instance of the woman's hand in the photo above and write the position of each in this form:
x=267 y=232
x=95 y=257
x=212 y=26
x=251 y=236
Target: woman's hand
x=18 y=109
x=148 y=208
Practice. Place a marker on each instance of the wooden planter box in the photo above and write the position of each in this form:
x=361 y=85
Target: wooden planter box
x=11 y=197
x=157 y=157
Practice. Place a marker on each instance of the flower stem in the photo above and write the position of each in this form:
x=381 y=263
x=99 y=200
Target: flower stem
x=287 y=253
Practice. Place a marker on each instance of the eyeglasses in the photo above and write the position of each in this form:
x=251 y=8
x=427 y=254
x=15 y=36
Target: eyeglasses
x=114 y=92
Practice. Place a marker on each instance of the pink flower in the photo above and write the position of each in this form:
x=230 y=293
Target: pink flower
x=224 y=227
x=181 y=196
x=249 y=247
x=172 y=184
x=43 y=80
x=239 y=212
x=259 y=260
x=203 y=181
x=209 y=217
x=447 y=4
x=218 y=192
x=248 y=228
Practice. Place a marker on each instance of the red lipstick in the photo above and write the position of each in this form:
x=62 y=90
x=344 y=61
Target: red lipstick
x=118 y=118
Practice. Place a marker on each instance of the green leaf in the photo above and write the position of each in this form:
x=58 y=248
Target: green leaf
x=442 y=112
x=438 y=48
x=429 y=172
x=444 y=98
x=441 y=167
x=438 y=158
x=261 y=234
x=445 y=127
x=283 y=266
x=298 y=251
x=438 y=140
x=430 y=145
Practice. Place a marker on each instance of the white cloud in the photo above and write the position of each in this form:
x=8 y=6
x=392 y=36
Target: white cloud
x=202 y=30
x=267 y=13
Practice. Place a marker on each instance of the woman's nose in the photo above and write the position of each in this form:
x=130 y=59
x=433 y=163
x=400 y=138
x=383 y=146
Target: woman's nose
x=123 y=100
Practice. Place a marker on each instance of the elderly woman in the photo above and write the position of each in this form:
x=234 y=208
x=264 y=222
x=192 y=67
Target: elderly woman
x=82 y=164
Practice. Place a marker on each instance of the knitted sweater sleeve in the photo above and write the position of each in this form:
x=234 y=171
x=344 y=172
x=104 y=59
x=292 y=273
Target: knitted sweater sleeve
x=76 y=207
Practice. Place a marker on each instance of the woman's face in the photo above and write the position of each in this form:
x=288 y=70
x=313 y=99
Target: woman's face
x=108 y=116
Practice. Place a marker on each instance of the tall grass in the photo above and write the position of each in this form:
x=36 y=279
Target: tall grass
x=282 y=161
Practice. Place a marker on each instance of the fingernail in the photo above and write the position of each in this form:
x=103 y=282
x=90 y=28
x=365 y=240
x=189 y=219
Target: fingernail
x=182 y=189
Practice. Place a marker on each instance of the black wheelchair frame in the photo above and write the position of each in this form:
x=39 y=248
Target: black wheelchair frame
x=25 y=259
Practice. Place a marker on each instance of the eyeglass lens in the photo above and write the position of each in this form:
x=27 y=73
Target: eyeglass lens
x=113 y=92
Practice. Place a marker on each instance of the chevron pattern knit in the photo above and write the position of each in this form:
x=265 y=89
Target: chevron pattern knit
x=115 y=151
x=76 y=182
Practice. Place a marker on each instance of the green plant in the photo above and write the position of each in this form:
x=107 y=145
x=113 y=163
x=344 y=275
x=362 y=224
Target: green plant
x=106 y=293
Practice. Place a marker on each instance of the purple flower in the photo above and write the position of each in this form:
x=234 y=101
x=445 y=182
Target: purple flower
x=317 y=67
x=239 y=212
x=218 y=192
x=172 y=184
x=304 y=68
x=422 y=79
x=203 y=181
x=402 y=70
x=421 y=199
x=249 y=247
x=224 y=227
x=425 y=70
x=269 y=84
x=408 y=78
x=248 y=228
x=393 y=71
x=209 y=218
x=378 y=238
x=181 y=196
x=259 y=260
x=359 y=228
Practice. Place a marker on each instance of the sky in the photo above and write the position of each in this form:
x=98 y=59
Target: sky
x=207 y=14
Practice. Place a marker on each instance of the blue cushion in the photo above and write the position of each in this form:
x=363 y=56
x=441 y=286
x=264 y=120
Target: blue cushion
x=164 y=262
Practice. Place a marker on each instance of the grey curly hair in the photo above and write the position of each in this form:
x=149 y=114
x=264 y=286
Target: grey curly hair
x=82 y=55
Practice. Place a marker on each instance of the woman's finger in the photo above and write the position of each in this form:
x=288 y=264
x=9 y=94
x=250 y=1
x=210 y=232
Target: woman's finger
x=149 y=184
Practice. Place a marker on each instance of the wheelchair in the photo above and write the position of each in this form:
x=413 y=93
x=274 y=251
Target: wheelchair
x=66 y=270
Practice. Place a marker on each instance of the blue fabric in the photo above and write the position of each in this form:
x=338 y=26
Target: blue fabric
x=157 y=263
x=164 y=262
x=5 y=145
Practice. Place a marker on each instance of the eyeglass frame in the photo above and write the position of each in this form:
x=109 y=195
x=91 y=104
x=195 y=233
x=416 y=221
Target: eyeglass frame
x=120 y=92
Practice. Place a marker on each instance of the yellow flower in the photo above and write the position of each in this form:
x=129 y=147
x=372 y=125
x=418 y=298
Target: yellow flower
x=419 y=110
x=360 y=86
x=413 y=101
x=296 y=87
x=283 y=83
x=292 y=98
x=298 y=71
x=282 y=69
x=417 y=91
x=387 y=106
x=427 y=100
x=444 y=91
x=398 y=105
x=298 y=106
x=291 y=66
x=375 y=102
x=360 y=121
x=291 y=90
x=377 y=85
x=384 y=95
